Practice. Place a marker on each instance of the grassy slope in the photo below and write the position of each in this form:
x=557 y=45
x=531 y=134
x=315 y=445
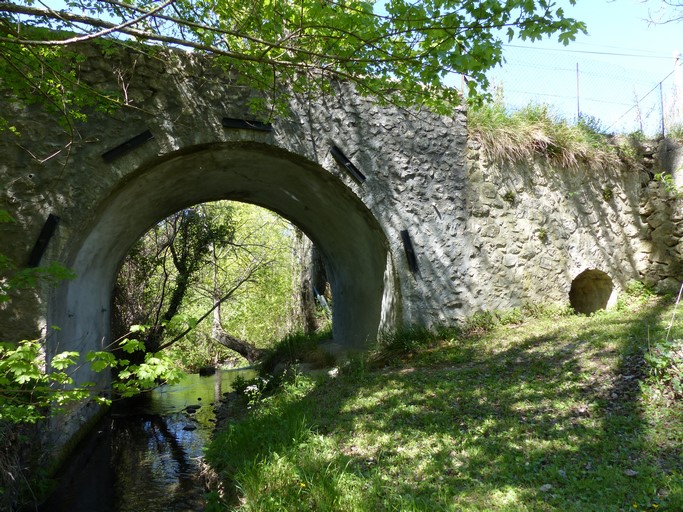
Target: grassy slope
x=553 y=414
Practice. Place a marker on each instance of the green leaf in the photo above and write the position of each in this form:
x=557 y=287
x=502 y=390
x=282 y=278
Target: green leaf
x=64 y=360
x=131 y=345
x=5 y=217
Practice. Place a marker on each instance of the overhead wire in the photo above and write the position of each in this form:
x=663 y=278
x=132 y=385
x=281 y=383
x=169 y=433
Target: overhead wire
x=614 y=78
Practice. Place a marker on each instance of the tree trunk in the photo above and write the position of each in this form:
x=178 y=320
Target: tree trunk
x=243 y=348
x=247 y=350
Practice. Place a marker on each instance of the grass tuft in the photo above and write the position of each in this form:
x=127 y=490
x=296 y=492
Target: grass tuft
x=407 y=340
x=520 y=135
x=298 y=347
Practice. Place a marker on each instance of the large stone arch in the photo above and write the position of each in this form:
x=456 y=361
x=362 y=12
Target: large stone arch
x=353 y=243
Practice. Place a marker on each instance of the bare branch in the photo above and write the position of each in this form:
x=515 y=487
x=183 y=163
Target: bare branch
x=243 y=279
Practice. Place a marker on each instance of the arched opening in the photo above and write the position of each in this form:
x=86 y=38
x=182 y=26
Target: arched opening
x=350 y=239
x=219 y=283
x=590 y=291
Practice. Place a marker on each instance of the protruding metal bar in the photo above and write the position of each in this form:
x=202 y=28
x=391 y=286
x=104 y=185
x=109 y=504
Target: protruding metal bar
x=229 y=122
x=410 y=252
x=41 y=244
x=127 y=146
x=347 y=164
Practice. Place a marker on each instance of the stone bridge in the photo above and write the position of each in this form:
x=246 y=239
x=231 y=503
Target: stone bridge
x=416 y=225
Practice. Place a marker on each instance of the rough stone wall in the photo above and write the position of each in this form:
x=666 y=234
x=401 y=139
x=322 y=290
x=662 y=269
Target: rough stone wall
x=536 y=228
x=661 y=212
x=486 y=236
x=412 y=162
x=415 y=169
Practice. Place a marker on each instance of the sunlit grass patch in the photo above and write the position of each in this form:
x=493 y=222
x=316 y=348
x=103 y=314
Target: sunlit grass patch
x=521 y=134
x=553 y=414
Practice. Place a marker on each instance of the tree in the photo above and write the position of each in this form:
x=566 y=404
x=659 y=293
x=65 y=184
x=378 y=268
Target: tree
x=669 y=11
x=182 y=272
x=160 y=270
x=400 y=51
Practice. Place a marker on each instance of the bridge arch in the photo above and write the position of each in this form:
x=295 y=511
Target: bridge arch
x=354 y=245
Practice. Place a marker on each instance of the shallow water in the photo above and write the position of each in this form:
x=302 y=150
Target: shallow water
x=143 y=456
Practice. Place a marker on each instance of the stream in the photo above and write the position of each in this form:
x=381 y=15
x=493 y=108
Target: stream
x=142 y=456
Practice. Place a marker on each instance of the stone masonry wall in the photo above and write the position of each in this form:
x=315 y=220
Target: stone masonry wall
x=661 y=211
x=535 y=228
x=486 y=236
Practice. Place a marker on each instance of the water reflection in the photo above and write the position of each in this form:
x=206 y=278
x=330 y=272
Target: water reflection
x=143 y=455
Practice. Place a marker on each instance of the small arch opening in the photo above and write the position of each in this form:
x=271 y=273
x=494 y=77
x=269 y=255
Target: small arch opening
x=590 y=291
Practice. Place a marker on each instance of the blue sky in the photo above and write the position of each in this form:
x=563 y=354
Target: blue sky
x=621 y=60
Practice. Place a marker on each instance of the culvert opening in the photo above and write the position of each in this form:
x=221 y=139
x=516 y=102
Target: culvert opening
x=590 y=291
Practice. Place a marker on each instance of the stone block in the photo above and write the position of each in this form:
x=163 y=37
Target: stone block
x=510 y=260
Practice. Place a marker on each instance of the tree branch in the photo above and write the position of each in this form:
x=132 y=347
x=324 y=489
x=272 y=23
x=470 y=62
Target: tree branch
x=245 y=277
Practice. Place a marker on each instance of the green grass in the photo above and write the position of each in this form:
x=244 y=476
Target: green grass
x=298 y=347
x=535 y=130
x=553 y=414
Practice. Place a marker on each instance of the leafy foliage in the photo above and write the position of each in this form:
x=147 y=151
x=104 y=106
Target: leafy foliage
x=26 y=390
x=230 y=262
x=162 y=267
x=665 y=360
x=262 y=309
x=48 y=76
x=635 y=294
x=304 y=44
x=669 y=184
x=31 y=388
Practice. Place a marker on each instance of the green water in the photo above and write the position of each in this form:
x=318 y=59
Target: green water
x=144 y=456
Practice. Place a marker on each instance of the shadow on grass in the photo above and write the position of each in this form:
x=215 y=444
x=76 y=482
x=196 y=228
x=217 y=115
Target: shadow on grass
x=554 y=421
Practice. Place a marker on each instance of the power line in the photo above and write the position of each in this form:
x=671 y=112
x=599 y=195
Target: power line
x=641 y=99
x=588 y=52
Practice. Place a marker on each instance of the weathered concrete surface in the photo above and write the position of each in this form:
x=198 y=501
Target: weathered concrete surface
x=486 y=236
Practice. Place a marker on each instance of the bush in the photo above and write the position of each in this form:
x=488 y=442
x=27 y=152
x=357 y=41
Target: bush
x=480 y=323
x=635 y=293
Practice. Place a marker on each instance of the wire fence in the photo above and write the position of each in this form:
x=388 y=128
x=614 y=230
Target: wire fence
x=620 y=93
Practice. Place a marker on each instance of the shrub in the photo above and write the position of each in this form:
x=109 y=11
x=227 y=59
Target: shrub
x=480 y=323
